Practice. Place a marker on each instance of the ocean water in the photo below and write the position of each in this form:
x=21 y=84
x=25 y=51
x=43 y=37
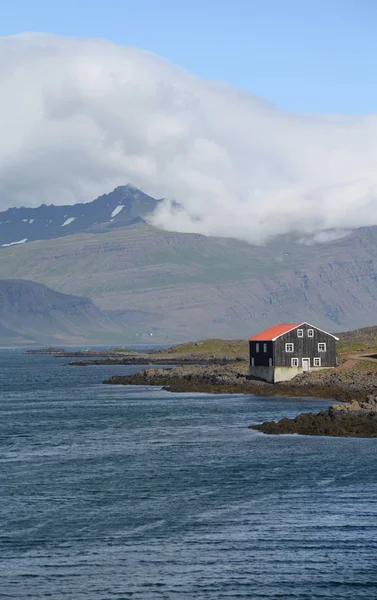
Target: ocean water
x=110 y=493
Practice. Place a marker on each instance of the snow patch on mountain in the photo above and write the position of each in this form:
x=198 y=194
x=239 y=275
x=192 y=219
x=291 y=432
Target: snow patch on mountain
x=117 y=210
x=14 y=243
x=68 y=221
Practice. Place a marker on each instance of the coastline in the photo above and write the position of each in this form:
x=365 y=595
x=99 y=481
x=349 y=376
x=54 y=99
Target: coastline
x=353 y=418
x=229 y=380
x=152 y=360
x=221 y=367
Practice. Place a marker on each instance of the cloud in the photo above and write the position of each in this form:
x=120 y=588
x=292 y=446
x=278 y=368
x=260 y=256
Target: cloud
x=80 y=116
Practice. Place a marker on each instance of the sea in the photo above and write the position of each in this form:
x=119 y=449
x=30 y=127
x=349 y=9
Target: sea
x=119 y=492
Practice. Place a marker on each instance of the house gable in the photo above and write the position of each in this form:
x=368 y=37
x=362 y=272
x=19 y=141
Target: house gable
x=305 y=342
x=317 y=328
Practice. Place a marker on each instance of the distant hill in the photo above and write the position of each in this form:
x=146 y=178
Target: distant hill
x=359 y=341
x=32 y=313
x=122 y=207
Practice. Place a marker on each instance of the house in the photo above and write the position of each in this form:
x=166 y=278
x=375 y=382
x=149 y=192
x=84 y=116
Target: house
x=283 y=351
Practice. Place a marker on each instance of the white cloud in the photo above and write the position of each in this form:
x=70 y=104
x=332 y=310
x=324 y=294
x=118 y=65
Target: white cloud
x=79 y=117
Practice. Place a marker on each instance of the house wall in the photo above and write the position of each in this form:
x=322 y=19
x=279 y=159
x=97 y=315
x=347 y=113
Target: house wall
x=305 y=347
x=261 y=358
x=286 y=373
x=276 y=374
x=264 y=373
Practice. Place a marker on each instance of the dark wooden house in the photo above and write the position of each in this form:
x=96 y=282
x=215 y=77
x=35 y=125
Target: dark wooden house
x=285 y=350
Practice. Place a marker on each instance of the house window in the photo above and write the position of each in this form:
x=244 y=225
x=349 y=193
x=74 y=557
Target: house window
x=289 y=347
x=264 y=347
x=294 y=362
x=300 y=333
x=256 y=347
x=270 y=362
x=321 y=347
x=317 y=362
x=252 y=361
x=310 y=332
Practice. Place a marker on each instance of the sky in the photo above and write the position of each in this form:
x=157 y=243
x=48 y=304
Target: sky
x=258 y=118
x=302 y=55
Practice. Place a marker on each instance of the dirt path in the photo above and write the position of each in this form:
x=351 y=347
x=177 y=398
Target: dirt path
x=355 y=358
x=348 y=364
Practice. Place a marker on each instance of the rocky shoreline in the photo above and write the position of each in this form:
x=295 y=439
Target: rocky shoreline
x=229 y=380
x=353 y=419
x=206 y=352
x=147 y=359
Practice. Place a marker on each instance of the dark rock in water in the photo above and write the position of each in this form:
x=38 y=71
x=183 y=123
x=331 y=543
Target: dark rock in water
x=353 y=419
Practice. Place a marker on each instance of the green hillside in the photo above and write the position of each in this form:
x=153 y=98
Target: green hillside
x=195 y=286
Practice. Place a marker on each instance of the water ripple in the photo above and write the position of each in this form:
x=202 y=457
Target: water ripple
x=129 y=493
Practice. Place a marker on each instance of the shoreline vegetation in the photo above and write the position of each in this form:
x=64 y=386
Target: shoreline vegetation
x=221 y=367
x=206 y=352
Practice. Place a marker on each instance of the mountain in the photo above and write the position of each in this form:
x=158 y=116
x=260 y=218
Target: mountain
x=122 y=207
x=32 y=313
x=189 y=286
x=174 y=287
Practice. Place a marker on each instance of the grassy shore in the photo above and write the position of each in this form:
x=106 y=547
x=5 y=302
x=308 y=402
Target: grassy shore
x=354 y=377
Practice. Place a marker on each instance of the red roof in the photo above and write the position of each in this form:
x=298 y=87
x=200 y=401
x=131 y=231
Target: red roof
x=273 y=332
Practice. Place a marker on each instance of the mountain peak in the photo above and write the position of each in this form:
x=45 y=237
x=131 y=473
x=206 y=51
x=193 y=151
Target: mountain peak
x=119 y=208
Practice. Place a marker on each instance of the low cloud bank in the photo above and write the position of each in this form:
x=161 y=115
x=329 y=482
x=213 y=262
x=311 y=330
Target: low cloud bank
x=79 y=117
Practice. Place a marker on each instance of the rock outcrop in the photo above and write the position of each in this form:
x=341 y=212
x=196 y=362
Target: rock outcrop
x=357 y=418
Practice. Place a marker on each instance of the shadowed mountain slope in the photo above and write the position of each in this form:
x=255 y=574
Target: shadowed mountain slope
x=32 y=313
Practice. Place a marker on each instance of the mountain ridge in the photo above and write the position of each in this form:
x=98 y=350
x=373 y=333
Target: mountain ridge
x=190 y=286
x=122 y=207
x=209 y=287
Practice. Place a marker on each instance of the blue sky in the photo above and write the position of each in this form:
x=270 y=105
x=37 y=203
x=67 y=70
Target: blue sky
x=307 y=55
x=302 y=55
